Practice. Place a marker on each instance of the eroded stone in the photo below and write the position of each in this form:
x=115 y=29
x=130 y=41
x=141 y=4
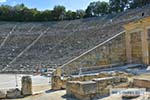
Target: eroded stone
x=26 y=86
x=14 y=93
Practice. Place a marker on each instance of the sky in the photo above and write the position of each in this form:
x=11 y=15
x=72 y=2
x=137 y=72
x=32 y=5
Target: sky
x=49 y=4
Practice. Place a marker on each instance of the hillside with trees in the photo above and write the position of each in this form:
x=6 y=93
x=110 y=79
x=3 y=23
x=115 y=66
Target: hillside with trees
x=22 y=13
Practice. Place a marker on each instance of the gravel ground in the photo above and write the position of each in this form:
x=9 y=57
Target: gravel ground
x=48 y=95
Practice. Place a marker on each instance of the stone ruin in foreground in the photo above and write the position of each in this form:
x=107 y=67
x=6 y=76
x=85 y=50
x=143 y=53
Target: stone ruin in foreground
x=121 y=58
x=26 y=90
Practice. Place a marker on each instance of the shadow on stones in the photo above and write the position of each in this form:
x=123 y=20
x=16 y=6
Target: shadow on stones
x=68 y=97
x=73 y=98
x=49 y=91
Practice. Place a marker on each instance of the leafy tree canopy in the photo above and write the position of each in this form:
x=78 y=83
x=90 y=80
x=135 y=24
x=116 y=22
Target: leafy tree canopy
x=22 y=13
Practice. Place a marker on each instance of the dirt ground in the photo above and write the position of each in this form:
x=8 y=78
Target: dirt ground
x=60 y=95
x=48 y=95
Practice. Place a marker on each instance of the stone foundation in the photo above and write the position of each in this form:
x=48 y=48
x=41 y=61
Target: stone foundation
x=59 y=82
x=87 y=90
x=81 y=90
x=141 y=83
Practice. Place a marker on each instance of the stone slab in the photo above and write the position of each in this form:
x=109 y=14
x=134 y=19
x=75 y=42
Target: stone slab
x=141 y=83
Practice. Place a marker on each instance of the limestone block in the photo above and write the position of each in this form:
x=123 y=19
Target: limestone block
x=72 y=87
x=81 y=90
x=87 y=87
x=14 y=93
x=123 y=79
x=3 y=94
x=104 y=74
x=26 y=86
x=122 y=85
x=104 y=81
x=64 y=82
x=58 y=72
x=141 y=83
x=121 y=74
x=104 y=92
x=56 y=82
x=120 y=79
x=88 y=77
x=117 y=79
x=84 y=88
x=104 y=84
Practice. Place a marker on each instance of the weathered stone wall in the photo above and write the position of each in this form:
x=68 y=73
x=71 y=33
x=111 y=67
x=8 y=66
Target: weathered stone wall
x=137 y=41
x=136 y=47
x=87 y=90
x=131 y=47
x=112 y=52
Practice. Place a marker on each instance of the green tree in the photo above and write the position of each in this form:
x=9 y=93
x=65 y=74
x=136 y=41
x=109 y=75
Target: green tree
x=74 y=15
x=58 y=12
x=80 y=13
x=101 y=8
x=47 y=15
x=5 y=12
x=118 y=5
x=97 y=9
x=138 y=3
x=69 y=15
x=90 y=9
